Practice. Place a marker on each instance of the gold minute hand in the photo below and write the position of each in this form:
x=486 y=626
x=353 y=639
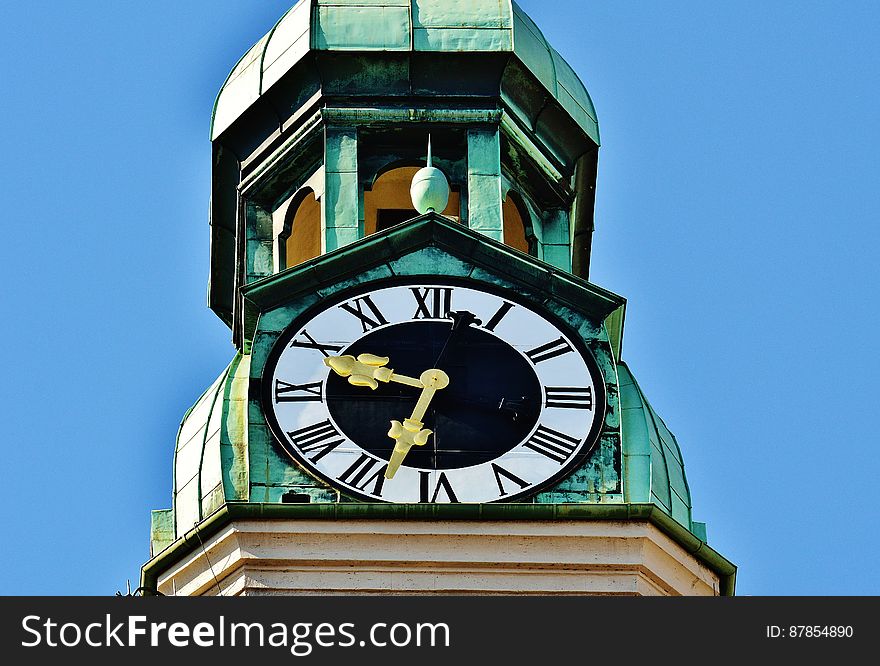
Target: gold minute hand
x=411 y=432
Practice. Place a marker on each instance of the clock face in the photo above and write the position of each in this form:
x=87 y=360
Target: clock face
x=433 y=392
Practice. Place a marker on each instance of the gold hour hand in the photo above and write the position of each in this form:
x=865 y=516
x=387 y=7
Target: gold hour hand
x=411 y=432
x=367 y=370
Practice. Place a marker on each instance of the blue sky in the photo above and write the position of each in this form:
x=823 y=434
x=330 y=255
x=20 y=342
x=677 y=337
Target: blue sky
x=737 y=211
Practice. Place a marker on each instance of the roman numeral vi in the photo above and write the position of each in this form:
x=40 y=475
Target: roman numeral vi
x=442 y=484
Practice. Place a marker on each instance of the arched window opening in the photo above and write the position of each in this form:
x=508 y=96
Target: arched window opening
x=517 y=227
x=389 y=203
x=304 y=230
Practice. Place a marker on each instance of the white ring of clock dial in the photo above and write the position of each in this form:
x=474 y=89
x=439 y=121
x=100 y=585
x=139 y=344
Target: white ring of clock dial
x=566 y=429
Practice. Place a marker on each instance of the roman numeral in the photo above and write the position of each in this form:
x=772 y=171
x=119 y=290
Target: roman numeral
x=553 y=444
x=358 y=475
x=548 y=351
x=322 y=347
x=320 y=439
x=440 y=302
x=498 y=316
x=442 y=483
x=368 y=320
x=510 y=476
x=285 y=392
x=568 y=397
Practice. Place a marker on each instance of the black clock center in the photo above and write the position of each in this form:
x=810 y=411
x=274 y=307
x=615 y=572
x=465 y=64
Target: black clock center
x=492 y=403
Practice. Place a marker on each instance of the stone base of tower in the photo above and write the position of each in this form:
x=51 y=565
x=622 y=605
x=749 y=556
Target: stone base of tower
x=360 y=556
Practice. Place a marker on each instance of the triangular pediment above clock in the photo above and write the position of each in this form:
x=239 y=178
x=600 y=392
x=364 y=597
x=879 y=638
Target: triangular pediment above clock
x=427 y=245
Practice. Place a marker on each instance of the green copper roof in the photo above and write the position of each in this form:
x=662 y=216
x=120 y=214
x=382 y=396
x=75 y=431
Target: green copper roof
x=653 y=467
x=210 y=457
x=425 y=26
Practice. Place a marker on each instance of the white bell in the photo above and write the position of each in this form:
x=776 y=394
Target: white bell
x=429 y=189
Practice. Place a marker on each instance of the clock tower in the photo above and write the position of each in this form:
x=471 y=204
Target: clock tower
x=428 y=394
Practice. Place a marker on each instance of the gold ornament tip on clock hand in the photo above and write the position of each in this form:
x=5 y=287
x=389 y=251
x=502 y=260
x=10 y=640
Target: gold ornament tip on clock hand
x=405 y=435
x=365 y=370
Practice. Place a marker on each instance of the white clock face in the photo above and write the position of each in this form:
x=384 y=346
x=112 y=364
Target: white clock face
x=521 y=405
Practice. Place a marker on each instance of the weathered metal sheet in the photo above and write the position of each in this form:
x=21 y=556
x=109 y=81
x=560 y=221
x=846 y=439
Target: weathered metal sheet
x=210 y=483
x=653 y=469
x=233 y=436
x=342 y=27
x=531 y=47
x=681 y=510
x=288 y=44
x=461 y=39
x=361 y=3
x=199 y=463
x=462 y=13
x=161 y=530
x=462 y=25
x=573 y=96
x=241 y=90
x=187 y=507
x=191 y=437
x=615 y=324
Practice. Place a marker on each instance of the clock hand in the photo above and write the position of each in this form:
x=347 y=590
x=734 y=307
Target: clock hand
x=368 y=370
x=460 y=321
x=412 y=432
x=433 y=380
